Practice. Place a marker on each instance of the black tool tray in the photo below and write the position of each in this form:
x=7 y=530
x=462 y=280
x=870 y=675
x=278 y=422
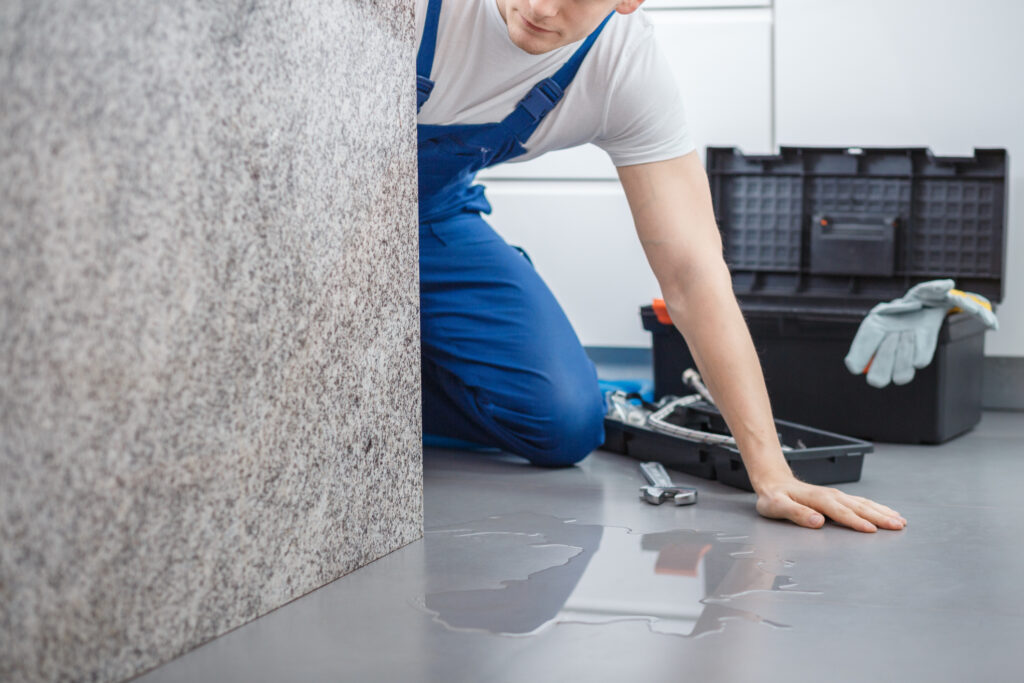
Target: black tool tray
x=817 y=457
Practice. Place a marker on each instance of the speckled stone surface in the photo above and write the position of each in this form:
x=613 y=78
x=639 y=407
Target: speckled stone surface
x=209 y=339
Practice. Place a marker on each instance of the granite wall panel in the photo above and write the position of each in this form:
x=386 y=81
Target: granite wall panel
x=209 y=337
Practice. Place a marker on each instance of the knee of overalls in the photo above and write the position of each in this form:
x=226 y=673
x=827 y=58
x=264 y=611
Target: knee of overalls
x=573 y=426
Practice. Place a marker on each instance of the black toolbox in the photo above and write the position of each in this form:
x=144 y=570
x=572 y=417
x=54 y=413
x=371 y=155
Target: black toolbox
x=819 y=457
x=814 y=237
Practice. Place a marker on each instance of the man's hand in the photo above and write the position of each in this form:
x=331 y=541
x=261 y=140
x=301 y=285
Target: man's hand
x=808 y=505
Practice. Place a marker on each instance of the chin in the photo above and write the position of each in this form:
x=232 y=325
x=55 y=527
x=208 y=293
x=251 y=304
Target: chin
x=533 y=49
x=531 y=44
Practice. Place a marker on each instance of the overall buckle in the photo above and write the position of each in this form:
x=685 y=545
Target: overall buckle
x=423 y=88
x=542 y=98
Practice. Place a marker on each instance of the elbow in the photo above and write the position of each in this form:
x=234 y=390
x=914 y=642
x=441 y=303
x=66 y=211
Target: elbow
x=696 y=278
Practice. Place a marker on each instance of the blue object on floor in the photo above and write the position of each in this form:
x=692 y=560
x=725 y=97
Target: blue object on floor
x=644 y=387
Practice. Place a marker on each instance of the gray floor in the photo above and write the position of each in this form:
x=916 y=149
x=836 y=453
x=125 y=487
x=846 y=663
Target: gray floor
x=543 y=575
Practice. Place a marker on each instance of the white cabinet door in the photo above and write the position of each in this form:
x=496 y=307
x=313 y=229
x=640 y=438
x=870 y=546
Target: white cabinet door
x=722 y=60
x=581 y=239
x=938 y=73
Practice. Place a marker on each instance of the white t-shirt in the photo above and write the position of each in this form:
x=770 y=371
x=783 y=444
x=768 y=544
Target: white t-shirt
x=624 y=98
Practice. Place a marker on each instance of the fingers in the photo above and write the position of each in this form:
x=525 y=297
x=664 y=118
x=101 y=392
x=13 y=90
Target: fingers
x=805 y=504
x=933 y=291
x=880 y=373
x=903 y=365
x=857 y=513
x=927 y=336
x=884 y=509
x=989 y=318
x=972 y=303
x=841 y=514
x=781 y=506
x=879 y=515
x=864 y=345
x=897 y=306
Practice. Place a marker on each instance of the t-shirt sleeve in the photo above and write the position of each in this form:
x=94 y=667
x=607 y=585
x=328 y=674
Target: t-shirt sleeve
x=645 y=120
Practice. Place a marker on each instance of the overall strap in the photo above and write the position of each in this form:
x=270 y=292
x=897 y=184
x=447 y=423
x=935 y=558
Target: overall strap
x=425 y=56
x=543 y=97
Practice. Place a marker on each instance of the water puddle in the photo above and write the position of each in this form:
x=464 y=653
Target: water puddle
x=520 y=574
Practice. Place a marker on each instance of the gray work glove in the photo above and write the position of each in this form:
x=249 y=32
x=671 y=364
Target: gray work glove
x=899 y=336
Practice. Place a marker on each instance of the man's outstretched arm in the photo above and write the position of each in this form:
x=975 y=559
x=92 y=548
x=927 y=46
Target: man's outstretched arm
x=671 y=206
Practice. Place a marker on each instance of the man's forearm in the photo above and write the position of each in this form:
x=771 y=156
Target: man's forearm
x=705 y=310
x=671 y=205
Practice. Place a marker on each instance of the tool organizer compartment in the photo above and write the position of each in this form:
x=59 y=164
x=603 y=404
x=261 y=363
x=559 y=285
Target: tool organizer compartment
x=816 y=456
x=814 y=238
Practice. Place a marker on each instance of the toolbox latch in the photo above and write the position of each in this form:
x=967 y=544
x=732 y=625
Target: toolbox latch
x=853 y=244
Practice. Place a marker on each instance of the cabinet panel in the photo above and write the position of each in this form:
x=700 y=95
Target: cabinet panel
x=901 y=73
x=722 y=60
x=581 y=239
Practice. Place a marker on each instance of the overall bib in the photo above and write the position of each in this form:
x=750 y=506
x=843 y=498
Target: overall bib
x=502 y=366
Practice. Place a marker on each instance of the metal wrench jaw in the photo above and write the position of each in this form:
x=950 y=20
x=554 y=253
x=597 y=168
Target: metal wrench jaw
x=683 y=495
x=680 y=495
x=655 y=495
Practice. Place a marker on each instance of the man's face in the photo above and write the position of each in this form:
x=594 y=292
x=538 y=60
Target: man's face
x=538 y=26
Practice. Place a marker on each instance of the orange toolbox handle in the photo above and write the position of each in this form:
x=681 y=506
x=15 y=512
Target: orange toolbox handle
x=661 y=311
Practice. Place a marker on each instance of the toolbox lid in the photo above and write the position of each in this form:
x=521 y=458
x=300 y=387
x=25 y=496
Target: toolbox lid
x=837 y=228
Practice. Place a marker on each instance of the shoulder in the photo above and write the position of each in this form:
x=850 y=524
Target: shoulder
x=644 y=118
x=626 y=58
x=626 y=33
x=626 y=43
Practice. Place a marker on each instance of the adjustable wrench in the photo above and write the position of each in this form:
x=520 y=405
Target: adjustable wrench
x=662 y=488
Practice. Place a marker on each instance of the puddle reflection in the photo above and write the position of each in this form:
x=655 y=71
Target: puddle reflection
x=681 y=582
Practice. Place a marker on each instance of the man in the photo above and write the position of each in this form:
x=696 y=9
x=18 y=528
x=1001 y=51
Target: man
x=511 y=79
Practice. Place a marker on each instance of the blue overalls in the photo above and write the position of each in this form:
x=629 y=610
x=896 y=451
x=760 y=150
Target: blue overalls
x=502 y=366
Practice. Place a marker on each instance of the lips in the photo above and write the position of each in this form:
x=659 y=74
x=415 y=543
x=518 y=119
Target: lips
x=534 y=27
